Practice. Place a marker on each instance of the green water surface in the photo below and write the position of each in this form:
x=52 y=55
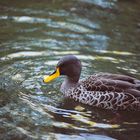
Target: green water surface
x=34 y=35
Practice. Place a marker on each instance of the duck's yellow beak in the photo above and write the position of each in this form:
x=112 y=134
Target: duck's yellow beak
x=54 y=75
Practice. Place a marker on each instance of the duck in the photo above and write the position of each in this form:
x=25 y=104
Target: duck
x=102 y=90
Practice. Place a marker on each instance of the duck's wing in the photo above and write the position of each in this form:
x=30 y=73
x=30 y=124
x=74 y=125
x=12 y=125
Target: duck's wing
x=112 y=82
x=116 y=77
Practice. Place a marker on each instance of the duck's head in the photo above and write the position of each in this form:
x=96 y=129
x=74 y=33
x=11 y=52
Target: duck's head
x=68 y=65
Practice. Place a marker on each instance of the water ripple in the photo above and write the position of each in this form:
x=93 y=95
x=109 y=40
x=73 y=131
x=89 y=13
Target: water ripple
x=50 y=23
x=26 y=19
x=81 y=136
x=101 y=3
x=85 y=22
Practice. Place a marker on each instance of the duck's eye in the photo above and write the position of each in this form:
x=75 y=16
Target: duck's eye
x=62 y=70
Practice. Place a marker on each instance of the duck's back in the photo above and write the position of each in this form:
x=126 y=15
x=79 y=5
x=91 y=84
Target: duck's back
x=112 y=82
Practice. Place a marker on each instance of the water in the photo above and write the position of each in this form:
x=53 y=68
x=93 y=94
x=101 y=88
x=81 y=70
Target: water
x=105 y=35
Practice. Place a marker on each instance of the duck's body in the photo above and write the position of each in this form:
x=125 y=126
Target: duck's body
x=104 y=90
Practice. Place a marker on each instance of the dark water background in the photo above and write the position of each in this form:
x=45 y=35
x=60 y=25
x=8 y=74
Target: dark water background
x=34 y=35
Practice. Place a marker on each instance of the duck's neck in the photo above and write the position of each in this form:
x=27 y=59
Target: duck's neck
x=69 y=83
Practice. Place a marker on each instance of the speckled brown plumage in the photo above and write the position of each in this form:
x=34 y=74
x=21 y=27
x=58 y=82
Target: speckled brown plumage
x=109 y=91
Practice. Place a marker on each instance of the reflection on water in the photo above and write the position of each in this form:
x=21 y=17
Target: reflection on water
x=34 y=35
